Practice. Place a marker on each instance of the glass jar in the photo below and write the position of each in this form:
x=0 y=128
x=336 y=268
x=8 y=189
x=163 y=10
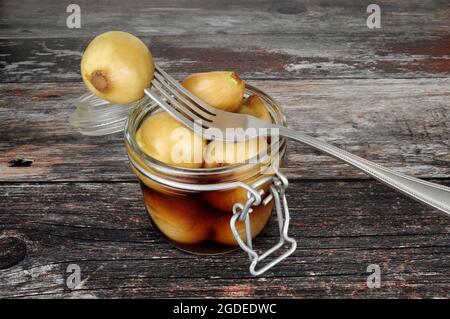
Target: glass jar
x=191 y=207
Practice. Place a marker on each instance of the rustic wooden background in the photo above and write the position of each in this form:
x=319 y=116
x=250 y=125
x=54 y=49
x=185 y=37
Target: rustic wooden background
x=383 y=94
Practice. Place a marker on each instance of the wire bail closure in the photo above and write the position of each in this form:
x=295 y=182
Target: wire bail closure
x=243 y=213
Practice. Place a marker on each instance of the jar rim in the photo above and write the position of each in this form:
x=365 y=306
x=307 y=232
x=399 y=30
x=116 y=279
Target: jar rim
x=147 y=107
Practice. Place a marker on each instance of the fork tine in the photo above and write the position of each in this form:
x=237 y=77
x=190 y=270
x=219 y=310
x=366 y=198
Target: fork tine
x=177 y=105
x=172 y=111
x=188 y=104
x=207 y=108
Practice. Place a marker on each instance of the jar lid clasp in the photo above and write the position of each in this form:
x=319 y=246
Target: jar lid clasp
x=243 y=212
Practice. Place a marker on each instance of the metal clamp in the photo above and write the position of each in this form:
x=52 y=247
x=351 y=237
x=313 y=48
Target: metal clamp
x=243 y=212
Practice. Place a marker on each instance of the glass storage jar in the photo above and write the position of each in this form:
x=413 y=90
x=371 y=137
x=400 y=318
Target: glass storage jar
x=213 y=210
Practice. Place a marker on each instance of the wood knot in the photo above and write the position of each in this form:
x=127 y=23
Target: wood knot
x=12 y=251
x=20 y=162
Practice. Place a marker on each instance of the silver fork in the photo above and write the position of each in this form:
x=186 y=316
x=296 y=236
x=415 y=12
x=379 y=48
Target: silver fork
x=187 y=109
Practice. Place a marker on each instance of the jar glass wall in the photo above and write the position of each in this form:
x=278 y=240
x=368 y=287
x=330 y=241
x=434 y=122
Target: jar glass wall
x=192 y=207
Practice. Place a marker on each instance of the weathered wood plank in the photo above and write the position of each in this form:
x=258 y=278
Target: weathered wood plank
x=120 y=255
x=279 y=56
x=179 y=17
x=259 y=39
x=400 y=123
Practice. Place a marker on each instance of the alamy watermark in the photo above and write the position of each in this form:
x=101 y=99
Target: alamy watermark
x=374 y=19
x=74 y=279
x=73 y=20
x=374 y=279
x=238 y=146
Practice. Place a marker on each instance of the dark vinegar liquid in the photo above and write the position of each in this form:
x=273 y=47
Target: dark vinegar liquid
x=192 y=224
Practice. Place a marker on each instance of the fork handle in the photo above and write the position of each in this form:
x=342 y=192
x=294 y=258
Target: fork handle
x=434 y=195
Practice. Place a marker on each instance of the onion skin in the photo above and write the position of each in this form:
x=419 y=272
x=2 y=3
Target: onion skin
x=181 y=219
x=160 y=135
x=220 y=153
x=216 y=155
x=117 y=67
x=225 y=200
x=221 y=89
x=258 y=220
x=254 y=106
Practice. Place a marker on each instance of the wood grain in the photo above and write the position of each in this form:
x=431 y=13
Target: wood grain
x=400 y=123
x=25 y=20
x=254 y=56
x=121 y=255
x=260 y=39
